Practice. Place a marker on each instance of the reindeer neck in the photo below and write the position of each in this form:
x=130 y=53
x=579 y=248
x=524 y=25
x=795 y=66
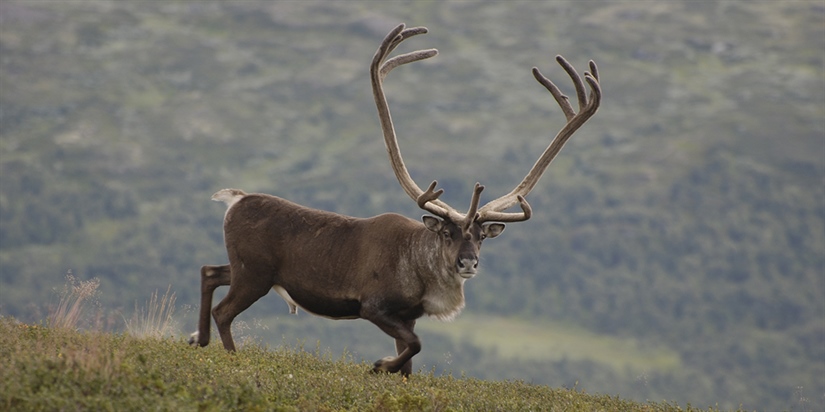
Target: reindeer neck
x=443 y=296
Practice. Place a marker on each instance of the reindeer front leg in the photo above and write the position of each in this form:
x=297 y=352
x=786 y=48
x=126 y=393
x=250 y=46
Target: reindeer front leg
x=406 y=342
x=400 y=347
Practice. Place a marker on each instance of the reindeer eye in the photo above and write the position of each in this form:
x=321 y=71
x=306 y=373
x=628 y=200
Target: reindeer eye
x=446 y=234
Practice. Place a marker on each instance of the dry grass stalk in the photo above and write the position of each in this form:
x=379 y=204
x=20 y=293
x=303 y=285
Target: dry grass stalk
x=75 y=294
x=154 y=319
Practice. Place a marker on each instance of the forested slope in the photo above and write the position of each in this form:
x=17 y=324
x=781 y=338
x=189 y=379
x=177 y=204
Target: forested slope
x=688 y=214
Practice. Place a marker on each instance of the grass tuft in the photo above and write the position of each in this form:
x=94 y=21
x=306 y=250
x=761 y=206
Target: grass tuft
x=155 y=318
x=75 y=295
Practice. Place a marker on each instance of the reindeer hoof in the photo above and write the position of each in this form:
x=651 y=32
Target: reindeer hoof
x=193 y=339
x=383 y=365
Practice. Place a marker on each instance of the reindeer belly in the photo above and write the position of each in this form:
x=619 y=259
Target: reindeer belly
x=317 y=304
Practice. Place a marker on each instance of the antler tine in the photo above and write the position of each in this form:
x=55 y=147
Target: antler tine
x=493 y=211
x=577 y=81
x=472 y=212
x=494 y=216
x=561 y=98
x=429 y=195
x=428 y=200
x=379 y=69
x=402 y=35
x=406 y=58
x=392 y=41
x=594 y=71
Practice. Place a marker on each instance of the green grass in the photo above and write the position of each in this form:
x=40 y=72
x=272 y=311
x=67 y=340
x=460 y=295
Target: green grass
x=514 y=339
x=44 y=368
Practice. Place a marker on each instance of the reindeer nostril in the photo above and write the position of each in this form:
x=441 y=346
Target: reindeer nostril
x=467 y=264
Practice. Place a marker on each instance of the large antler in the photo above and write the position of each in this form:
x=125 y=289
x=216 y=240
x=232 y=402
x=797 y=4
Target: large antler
x=494 y=210
x=381 y=66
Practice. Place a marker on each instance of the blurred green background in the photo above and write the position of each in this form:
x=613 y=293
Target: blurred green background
x=677 y=248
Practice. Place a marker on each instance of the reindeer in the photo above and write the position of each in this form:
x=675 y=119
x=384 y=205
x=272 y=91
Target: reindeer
x=387 y=269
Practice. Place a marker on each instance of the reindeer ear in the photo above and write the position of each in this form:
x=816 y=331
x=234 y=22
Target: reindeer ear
x=433 y=223
x=492 y=230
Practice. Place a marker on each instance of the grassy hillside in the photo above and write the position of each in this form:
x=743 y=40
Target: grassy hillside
x=686 y=220
x=43 y=368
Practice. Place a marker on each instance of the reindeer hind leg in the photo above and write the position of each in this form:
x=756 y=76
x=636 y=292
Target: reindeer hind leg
x=247 y=287
x=211 y=278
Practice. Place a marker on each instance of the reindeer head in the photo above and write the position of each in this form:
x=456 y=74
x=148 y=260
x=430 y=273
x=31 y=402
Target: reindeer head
x=460 y=237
